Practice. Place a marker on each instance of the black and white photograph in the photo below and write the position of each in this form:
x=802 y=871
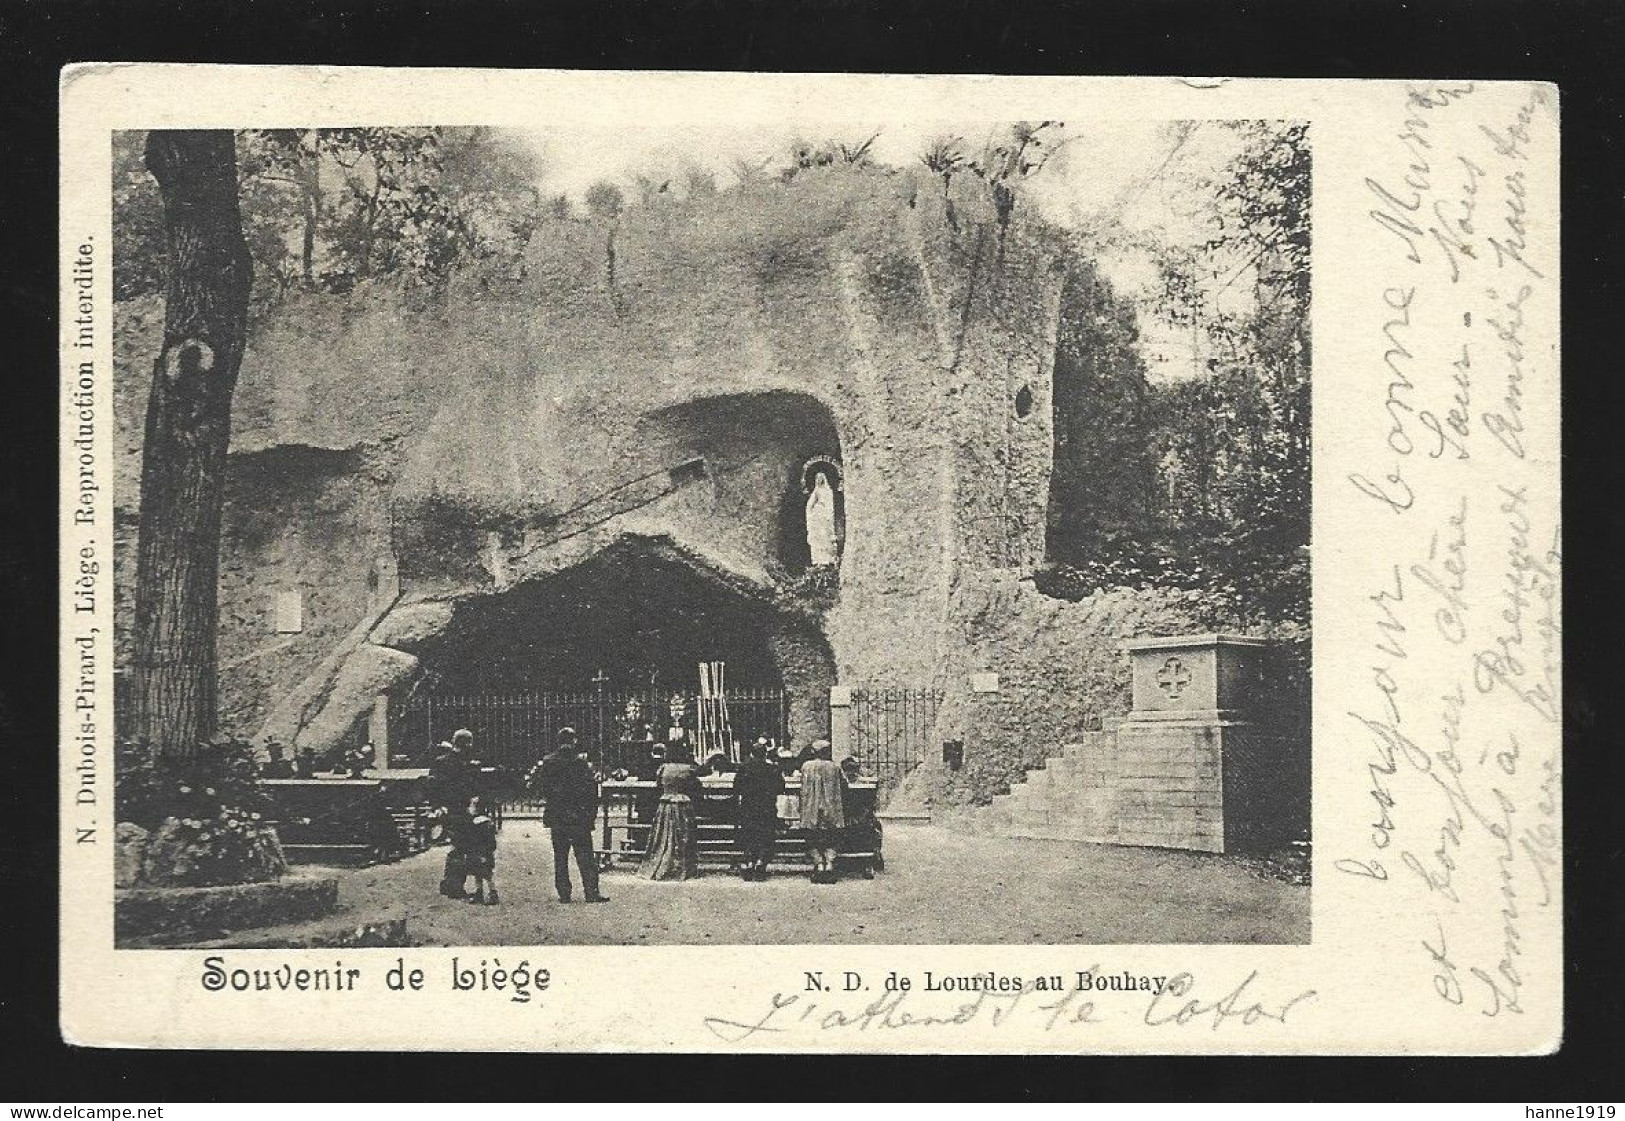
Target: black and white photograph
x=882 y=531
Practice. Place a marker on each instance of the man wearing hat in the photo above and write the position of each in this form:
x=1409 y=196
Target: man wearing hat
x=570 y=790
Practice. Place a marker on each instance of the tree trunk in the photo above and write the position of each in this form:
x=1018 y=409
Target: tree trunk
x=188 y=426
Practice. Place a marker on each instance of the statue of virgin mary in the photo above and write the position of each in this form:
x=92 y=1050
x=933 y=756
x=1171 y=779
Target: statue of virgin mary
x=821 y=543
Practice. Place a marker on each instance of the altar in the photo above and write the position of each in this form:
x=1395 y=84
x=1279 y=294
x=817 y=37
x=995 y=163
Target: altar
x=626 y=820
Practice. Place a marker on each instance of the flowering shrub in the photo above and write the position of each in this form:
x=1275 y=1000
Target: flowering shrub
x=155 y=785
x=205 y=814
x=229 y=846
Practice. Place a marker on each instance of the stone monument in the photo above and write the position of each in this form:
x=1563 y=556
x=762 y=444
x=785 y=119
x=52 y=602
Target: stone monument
x=1198 y=763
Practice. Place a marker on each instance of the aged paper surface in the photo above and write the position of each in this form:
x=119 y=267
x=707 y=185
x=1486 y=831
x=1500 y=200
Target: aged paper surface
x=534 y=479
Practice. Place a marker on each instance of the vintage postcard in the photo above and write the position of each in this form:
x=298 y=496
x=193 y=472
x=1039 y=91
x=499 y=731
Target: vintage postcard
x=759 y=562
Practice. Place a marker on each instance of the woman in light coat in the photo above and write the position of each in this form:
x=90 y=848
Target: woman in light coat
x=823 y=809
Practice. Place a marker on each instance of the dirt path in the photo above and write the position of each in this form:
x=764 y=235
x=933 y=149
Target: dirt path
x=939 y=887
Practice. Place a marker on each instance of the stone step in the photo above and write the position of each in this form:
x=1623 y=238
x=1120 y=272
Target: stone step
x=1072 y=784
x=1064 y=769
x=1060 y=813
x=1076 y=770
x=1063 y=809
x=1059 y=833
x=1034 y=812
x=1066 y=787
x=1099 y=812
x=1075 y=807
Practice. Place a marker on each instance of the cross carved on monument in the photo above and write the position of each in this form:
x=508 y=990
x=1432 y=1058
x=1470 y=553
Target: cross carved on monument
x=1173 y=677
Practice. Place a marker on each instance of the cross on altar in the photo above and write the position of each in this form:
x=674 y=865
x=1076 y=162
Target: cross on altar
x=600 y=679
x=1173 y=677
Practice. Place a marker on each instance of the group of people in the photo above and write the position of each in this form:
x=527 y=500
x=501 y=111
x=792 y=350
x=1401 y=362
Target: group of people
x=353 y=762
x=568 y=786
x=759 y=787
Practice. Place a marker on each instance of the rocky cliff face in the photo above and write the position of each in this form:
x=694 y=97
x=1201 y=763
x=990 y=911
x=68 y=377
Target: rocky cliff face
x=441 y=479
x=397 y=453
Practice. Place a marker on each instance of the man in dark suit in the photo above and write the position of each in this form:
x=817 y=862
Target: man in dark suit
x=570 y=791
x=758 y=784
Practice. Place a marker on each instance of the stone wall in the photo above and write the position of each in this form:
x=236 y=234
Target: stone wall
x=308 y=523
x=1166 y=786
x=1062 y=671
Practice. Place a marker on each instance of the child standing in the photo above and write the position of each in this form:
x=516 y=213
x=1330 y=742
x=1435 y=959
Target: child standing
x=478 y=845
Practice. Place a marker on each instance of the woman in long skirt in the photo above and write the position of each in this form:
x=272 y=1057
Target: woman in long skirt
x=674 y=845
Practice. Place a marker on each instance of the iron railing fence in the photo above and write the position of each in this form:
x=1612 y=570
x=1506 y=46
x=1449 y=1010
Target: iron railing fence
x=892 y=730
x=512 y=730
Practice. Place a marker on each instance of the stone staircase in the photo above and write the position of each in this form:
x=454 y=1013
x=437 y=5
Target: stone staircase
x=1152 y=785
x=1188 y=768
x=1070 y=798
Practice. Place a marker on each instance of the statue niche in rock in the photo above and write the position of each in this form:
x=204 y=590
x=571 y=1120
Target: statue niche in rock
x=821 y=481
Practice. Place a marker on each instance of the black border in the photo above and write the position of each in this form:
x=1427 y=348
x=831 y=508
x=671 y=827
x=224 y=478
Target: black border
x=1576 y=43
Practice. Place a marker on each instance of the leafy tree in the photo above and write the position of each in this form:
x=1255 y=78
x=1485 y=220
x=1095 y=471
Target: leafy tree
x=1100 y=488
x=1009 y=159
x=391 y=214
x=1200 y=482
x=806 y=155
x=649 y=188
x=746 y=171
x=943 y=156
x=326 y=208
x=490 y=180
x=605 y=200
x=698 y=182
x=1235 y=441
x=854 y=153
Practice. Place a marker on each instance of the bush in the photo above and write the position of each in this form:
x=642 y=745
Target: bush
x=155 y=785
x=230 y=846
x=1255 y=582
x=204 y=813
